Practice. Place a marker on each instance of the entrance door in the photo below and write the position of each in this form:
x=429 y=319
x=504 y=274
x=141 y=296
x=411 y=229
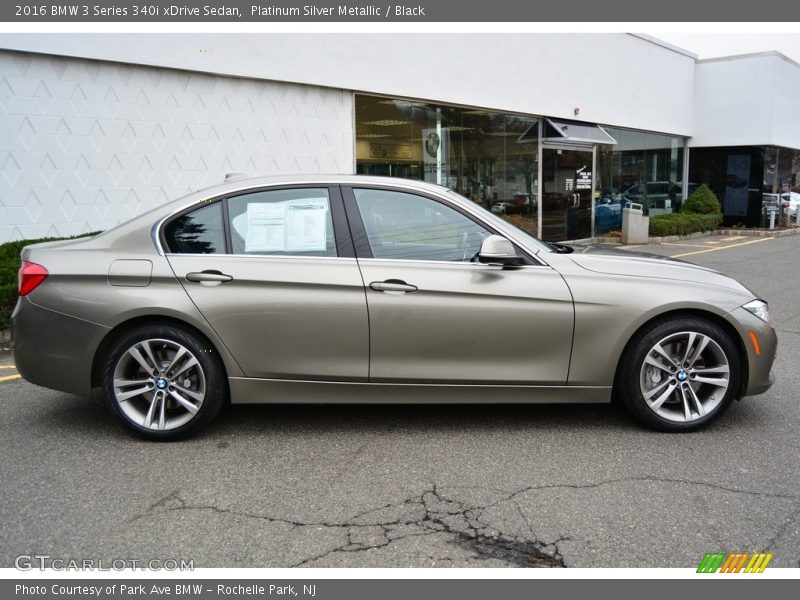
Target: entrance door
x=566 y=193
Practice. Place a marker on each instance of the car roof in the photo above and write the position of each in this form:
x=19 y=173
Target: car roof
x=240 y=183
x=237 y=182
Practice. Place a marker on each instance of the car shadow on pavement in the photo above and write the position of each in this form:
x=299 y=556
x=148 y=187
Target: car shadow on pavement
x=86 y=416
x=365 y=418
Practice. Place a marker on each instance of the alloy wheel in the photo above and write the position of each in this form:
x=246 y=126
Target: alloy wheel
x=159 y=384
x=684 y=377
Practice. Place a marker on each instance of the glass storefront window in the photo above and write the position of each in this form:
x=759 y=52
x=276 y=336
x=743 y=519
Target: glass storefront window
x=645 y=168
x=781 y=188
x=488 y=157
x=781 y=170
x=492 y=159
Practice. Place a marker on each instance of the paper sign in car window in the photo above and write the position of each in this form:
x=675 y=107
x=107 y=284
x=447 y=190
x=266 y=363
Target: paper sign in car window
x=306 y=225
x=266 y=227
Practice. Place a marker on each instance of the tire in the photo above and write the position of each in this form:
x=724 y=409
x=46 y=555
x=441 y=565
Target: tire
x=668 y=388
x=177 y=396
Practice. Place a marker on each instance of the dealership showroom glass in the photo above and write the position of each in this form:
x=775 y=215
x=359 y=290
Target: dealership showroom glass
x=545 y=129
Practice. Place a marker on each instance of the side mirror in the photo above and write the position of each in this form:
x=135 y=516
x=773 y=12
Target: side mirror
x=497 y=250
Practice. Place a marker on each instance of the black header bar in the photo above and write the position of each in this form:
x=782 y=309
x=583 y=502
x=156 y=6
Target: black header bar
x=575 y=11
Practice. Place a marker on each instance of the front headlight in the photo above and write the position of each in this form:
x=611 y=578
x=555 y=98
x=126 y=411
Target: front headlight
x=759 y=308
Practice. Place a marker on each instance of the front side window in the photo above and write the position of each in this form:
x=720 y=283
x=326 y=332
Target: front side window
x=405 y=226
x=282 y=222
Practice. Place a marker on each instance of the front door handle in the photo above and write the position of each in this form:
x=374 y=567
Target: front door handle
x=392 y=285
x=209 y=276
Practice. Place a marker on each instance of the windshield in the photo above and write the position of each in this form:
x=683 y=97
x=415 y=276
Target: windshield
x=535 y=243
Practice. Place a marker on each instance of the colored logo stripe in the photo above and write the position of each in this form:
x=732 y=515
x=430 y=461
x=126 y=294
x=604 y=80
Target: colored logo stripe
x=758 y=563
x=711 y=562
x=734 y=562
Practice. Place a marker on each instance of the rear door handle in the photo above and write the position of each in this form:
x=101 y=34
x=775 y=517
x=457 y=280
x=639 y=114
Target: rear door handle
x=392 y=285
x=209 y=276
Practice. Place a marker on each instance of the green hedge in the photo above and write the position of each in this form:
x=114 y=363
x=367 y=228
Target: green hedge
x=9 y=266
x=701 y=212
x=683 y=224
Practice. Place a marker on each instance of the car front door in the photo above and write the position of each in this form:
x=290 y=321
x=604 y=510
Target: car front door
x=274 y=273
x=437 y=315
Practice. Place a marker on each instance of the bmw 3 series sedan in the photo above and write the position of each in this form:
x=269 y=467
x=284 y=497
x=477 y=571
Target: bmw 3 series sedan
x=350 y=289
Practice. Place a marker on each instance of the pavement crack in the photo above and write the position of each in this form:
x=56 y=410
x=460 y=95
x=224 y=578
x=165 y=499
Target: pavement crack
x=425 y=514
x=640 y=478
x=431 y=512
x=782 y=531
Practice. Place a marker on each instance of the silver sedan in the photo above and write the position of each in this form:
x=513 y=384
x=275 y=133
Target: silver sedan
x=353 y=289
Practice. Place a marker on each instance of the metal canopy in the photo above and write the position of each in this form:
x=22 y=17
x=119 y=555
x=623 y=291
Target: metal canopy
x=568 y=131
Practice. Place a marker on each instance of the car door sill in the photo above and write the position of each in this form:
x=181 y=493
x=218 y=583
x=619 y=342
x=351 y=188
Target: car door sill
x=245 y=390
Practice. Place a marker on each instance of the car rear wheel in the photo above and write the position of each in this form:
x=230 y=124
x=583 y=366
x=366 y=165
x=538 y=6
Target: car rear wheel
x=164 y=382
x=679 y=374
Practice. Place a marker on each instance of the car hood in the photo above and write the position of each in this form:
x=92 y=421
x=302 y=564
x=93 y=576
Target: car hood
x=656 y=268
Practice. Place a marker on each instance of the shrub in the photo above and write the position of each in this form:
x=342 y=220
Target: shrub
x=9 y=266
x=702 y=202
x=701 y=212
x=8 y=298
x=683 y=223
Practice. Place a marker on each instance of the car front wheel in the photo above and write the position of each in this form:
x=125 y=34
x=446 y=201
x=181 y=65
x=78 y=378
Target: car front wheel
x=164 y=382
x=679 y=374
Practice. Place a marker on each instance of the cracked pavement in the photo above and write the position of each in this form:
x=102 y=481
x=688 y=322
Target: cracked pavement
x=418 y=486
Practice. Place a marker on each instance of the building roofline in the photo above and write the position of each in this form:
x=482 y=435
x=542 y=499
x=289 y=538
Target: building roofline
x=654 y=40
x=764 y=54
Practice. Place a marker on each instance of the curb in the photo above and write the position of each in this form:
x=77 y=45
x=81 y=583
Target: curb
x=761 y=233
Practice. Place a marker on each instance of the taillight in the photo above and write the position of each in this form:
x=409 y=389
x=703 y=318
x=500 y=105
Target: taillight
x=30 y=276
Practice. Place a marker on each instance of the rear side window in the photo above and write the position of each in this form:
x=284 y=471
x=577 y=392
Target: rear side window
x=282 y=222
x=197 y=232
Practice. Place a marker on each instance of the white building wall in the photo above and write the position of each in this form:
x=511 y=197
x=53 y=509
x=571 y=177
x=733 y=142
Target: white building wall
x=749 y=100
x=617 y=79
x=85 y=145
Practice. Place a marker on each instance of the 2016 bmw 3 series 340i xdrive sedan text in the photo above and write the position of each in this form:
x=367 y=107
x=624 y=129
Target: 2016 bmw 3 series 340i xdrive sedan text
x=352 y=289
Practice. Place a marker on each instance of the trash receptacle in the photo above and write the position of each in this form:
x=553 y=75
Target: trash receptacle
x=635 y=226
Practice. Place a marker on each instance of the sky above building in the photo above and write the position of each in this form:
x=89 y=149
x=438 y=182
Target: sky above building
x=712 y=45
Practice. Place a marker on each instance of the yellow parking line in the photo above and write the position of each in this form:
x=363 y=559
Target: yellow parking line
x=722 y=247
x=686 y=245
x=10 y=378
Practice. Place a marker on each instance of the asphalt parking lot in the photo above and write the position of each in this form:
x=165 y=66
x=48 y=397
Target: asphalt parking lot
x=420 y=486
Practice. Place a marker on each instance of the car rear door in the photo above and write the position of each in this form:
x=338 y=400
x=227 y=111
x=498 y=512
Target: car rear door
x=437 y=317
x=274 y=273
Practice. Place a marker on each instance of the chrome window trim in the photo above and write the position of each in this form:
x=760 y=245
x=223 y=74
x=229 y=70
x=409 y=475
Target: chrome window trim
x=262 y=256
x=219 y=195
x=451 y=263
x=444 y=194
